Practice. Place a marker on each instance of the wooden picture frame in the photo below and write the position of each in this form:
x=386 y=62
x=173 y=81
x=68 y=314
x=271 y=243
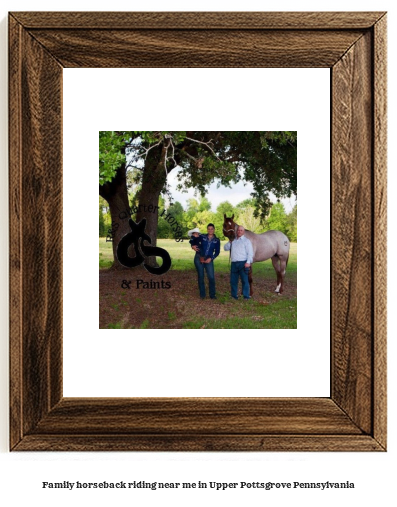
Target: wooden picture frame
x=353 y=46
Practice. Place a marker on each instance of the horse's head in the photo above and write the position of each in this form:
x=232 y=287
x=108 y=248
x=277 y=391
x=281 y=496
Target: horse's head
x=229 y=227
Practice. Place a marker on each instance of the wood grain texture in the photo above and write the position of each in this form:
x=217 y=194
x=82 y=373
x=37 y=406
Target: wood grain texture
x=352 y=238
x=201 y=20
x=199 y=443
x=354 y=46
x=299 y=416
x=35 y=230
x=15 y=232
x=196 y=48
x=380 y=229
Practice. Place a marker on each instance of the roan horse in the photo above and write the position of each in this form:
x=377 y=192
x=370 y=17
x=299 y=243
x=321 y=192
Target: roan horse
x=268 y=245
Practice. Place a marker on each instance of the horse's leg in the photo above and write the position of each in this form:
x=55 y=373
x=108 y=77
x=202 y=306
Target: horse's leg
x=276 y=265
x=283 y=266
x=250 y=280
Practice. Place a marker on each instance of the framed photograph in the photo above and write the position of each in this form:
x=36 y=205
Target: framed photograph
x=185 y=216
x=353 y=47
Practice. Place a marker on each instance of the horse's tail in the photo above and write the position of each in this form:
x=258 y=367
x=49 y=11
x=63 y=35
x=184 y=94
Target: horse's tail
x=289 y=246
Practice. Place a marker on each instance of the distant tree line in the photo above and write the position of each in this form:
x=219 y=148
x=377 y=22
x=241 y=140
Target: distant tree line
x=266 y=159
x=198 y=213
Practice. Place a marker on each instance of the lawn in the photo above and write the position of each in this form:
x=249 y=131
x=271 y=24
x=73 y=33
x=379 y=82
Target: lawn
x=182 y=257
x=181 y=308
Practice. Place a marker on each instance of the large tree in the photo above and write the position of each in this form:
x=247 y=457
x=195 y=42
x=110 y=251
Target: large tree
x=265 y=158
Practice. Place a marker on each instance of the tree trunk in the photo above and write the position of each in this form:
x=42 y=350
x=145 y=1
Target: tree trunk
x=116 y=194
x=153 y=181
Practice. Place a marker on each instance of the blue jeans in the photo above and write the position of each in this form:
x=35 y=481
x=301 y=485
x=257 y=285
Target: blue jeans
x=239 y=271
x=209 y=268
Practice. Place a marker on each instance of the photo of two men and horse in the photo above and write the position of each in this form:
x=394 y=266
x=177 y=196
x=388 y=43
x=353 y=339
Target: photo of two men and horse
x=198 y=230
x=245 y=248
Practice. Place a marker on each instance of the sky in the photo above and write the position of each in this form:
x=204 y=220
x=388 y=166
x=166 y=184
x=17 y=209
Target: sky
x=237 y=193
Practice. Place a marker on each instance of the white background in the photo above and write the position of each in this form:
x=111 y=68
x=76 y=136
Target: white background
x=21 y=474
x=127 y=362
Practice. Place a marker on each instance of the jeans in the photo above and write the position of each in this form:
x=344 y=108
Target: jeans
x=239 y=271
x=209 y=268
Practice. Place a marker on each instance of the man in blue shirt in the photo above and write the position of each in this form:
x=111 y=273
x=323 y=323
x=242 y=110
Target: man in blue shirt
x=242 y=256
x=204 y=260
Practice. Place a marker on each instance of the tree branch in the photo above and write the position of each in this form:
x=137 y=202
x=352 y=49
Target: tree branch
x=206 y=144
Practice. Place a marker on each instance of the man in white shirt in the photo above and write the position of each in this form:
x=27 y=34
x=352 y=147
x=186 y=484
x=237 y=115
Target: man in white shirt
x=242 y=256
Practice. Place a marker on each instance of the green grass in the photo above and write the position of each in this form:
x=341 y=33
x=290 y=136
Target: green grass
x=114 y=326
x=265 y=311
x=182 y=257
x=145 y=324
x=281 y=314
x=105 y=254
